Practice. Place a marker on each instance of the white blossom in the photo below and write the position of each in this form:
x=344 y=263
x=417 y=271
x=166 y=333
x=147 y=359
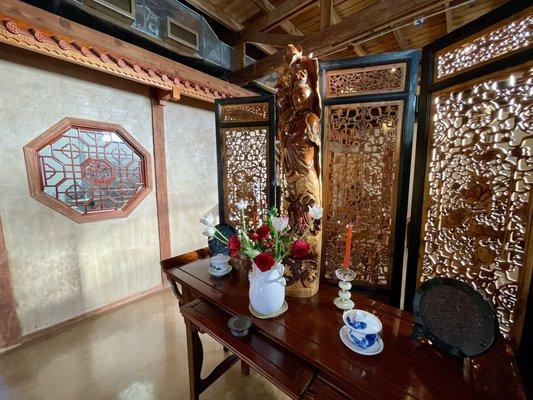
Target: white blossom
x=280 y=223
x=209 y=231
x=316 y=212
x=242 y=204
x=208 y=220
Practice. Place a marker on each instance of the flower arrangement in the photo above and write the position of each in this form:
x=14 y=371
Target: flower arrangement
x=267 y=242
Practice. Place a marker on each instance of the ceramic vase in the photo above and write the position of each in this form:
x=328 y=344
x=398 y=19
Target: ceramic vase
x=267 y=289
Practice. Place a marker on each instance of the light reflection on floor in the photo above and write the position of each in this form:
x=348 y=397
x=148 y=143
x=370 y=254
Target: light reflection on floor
x=137 y=352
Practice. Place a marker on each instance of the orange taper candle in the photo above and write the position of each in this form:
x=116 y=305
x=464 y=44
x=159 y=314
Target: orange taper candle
x=347 y=250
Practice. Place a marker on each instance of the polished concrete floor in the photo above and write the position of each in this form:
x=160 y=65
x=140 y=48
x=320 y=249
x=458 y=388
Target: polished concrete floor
x=137 y=352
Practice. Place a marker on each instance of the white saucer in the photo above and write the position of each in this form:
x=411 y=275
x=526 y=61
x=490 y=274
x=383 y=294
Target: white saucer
x=216 y=273
x=376 y=348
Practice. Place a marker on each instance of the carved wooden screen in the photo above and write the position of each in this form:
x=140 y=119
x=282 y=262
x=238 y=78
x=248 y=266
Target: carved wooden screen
x=472 y=215
x=245 y=155
x=367 y=127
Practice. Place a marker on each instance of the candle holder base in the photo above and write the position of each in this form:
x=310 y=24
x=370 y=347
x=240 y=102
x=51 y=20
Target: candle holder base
x=343 y=302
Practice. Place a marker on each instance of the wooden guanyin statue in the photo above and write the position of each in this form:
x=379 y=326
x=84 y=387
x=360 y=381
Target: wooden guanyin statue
x=299 y=138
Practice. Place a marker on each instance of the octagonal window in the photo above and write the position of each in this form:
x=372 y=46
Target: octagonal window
x=88 y=170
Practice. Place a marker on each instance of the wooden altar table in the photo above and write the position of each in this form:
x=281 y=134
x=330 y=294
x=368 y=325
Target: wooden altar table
x=302 y=354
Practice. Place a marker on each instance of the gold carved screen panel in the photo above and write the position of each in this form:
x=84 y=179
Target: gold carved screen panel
x=362 y=145
x=366 y=80
x=512 y=35
x=244 y=112
x=244 y=170
x=477 y=214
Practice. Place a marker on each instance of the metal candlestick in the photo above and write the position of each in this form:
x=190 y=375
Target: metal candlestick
x=345 y=276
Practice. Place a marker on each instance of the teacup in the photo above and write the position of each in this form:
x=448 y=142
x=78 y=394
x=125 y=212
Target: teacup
x=220 y=262
x=363 y=322
x=361 y=340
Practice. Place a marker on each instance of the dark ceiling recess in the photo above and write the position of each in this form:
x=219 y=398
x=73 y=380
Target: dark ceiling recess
x=74 y=13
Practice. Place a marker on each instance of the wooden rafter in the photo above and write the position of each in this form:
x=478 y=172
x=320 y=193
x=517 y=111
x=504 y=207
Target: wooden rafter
x=286 y=25
x=356 y=25
x=449 y=18
x=357 y=49
x=279 y=39
x=326 y=8
x=400 y=38
x=287 y=9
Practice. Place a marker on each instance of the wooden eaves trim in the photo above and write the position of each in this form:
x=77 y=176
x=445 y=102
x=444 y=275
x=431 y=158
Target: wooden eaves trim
x=33 y=29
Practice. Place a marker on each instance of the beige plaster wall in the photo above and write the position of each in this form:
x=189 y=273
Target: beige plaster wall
x=59 y=268
x=191 y=170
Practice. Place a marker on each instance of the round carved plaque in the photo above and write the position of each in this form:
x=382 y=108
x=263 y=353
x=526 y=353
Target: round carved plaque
x=454 y=316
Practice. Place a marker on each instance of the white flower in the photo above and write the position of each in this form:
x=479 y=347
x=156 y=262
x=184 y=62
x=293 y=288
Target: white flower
x=316 y=212
x=280 y=223
x=242 y=204
x=208 y=220
x=209 y=231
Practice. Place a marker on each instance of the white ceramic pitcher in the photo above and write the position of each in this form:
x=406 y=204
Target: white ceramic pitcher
x=267 y=289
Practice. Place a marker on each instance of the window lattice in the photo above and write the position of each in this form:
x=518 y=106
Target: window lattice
x=87 y=168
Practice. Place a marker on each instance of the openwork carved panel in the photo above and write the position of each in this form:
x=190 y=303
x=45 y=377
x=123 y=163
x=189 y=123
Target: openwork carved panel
x=477 y=210
x=359 y=81
x=86 y=168
x=361 y=165
x=244 y=112
x=245 y=171
x=513 y=36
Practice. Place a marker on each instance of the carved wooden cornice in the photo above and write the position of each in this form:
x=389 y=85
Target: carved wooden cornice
x=45 y=41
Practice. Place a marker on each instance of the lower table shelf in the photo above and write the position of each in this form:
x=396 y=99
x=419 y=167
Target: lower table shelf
x=288 y=371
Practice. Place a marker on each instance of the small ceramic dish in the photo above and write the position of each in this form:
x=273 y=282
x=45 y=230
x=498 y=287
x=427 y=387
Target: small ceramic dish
x=239 y=325
x=362 y=321
x=376 y=348
x=218 y=273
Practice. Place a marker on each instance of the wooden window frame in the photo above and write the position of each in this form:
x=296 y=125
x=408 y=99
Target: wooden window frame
x=31 y=154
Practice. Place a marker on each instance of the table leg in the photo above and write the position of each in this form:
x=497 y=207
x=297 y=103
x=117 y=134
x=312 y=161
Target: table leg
x=195 y=356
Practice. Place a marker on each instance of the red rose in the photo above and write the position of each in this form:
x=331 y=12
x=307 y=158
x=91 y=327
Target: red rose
x=263 y=231
x=300 y=249
x=253 y=236
x=234 y=245
x=264 y=261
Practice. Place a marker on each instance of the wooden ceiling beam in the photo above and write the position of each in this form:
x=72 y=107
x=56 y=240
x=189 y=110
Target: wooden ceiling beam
x=357 y=49
x=275 y=17
x=360 y=23
x=400 y=38
x=326 y=8
x=378 y=28
x=279 y=39
x=449 y=17
x=286 y=25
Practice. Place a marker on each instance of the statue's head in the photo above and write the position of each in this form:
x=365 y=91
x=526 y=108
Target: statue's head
x=302 y=94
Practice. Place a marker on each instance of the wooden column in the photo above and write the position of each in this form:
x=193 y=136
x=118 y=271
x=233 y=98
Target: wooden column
x=240 y=54
x=160 y=163
x=9 y=323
